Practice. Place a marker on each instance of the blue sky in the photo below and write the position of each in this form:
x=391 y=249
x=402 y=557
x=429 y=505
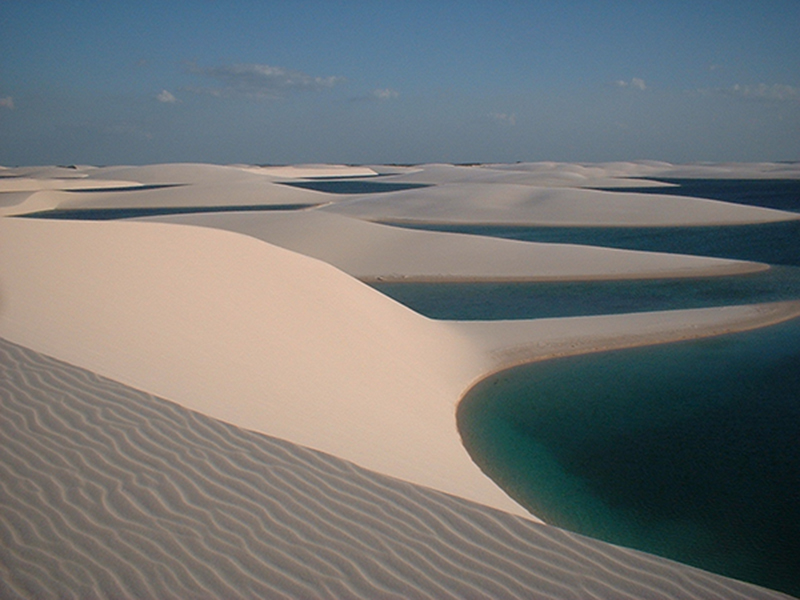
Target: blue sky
x=360 y=82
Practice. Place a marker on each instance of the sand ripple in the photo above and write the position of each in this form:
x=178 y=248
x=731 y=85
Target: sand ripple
x=109 y=492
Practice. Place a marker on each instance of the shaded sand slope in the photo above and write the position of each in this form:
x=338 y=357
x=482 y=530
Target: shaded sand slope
x=110 y=492
x=373 y=251
x=507 y=204
x=251 y=334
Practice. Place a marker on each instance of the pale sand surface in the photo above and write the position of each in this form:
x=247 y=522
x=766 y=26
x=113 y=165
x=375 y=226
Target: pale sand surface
x=614 y=174
x=109 y=492
x=189 y=185
x=312 y=171
x=372 y=251
x=30 y=184
x=284 y=344
x=514 y=342
x=591 y=172
x=513 y=204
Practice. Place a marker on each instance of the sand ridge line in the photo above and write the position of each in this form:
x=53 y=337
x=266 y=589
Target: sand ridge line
x=739 y=268
x=572 y=223
x=562 y=337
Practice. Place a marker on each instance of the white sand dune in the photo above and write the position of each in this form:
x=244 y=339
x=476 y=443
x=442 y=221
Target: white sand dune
x=314 y=171
x=47 y=172
x=281 y=343
x=546 y=174
x=592 y=172
x=511 y=204
x=205 y=173
x=30 y=184
x=612 y=174
x=372 y=251
x=184 y=186
x=109 y=492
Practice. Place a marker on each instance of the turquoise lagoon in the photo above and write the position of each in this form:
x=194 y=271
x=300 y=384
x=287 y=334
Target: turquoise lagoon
x=686 y=450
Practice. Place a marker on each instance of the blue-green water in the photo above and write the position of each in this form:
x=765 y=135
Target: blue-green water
x=466 y=301
x=112 y=214
x=783 y=194
x=686 y=450
x=776 y=244
x=126 y=188
x=772 y=243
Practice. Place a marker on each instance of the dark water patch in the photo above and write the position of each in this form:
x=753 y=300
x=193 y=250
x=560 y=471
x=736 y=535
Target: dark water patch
x=771 y=243
x=685 y=450
x=465 y=301
x=781 y=194
x=110 y=214
x=127 y=188
x=352 y=186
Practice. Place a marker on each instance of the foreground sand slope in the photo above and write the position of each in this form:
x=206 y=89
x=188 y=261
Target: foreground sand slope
x=113 y=493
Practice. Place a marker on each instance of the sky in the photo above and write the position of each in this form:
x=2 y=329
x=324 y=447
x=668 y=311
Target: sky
x=362 y=82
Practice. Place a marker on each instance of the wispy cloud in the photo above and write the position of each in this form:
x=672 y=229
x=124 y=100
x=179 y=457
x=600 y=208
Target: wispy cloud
x=166 y=97
x=776 y=92
x=384 y=94
x=635 y=83
x=379 y=95
x=7 y=102
x=260 y=81
x=504 y=118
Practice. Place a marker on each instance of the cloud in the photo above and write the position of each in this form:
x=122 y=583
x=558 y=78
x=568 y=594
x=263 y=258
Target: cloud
x=636 y=83
x=7 y=102
x=379 y=95
x=166 y=97
x=776 y=92
x=261 y=81
x=384 y=94
x=503 y=118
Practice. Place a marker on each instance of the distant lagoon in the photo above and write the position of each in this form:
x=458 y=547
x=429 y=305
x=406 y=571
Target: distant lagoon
x=772 y=243
x=776 y=244
x=468 y=301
